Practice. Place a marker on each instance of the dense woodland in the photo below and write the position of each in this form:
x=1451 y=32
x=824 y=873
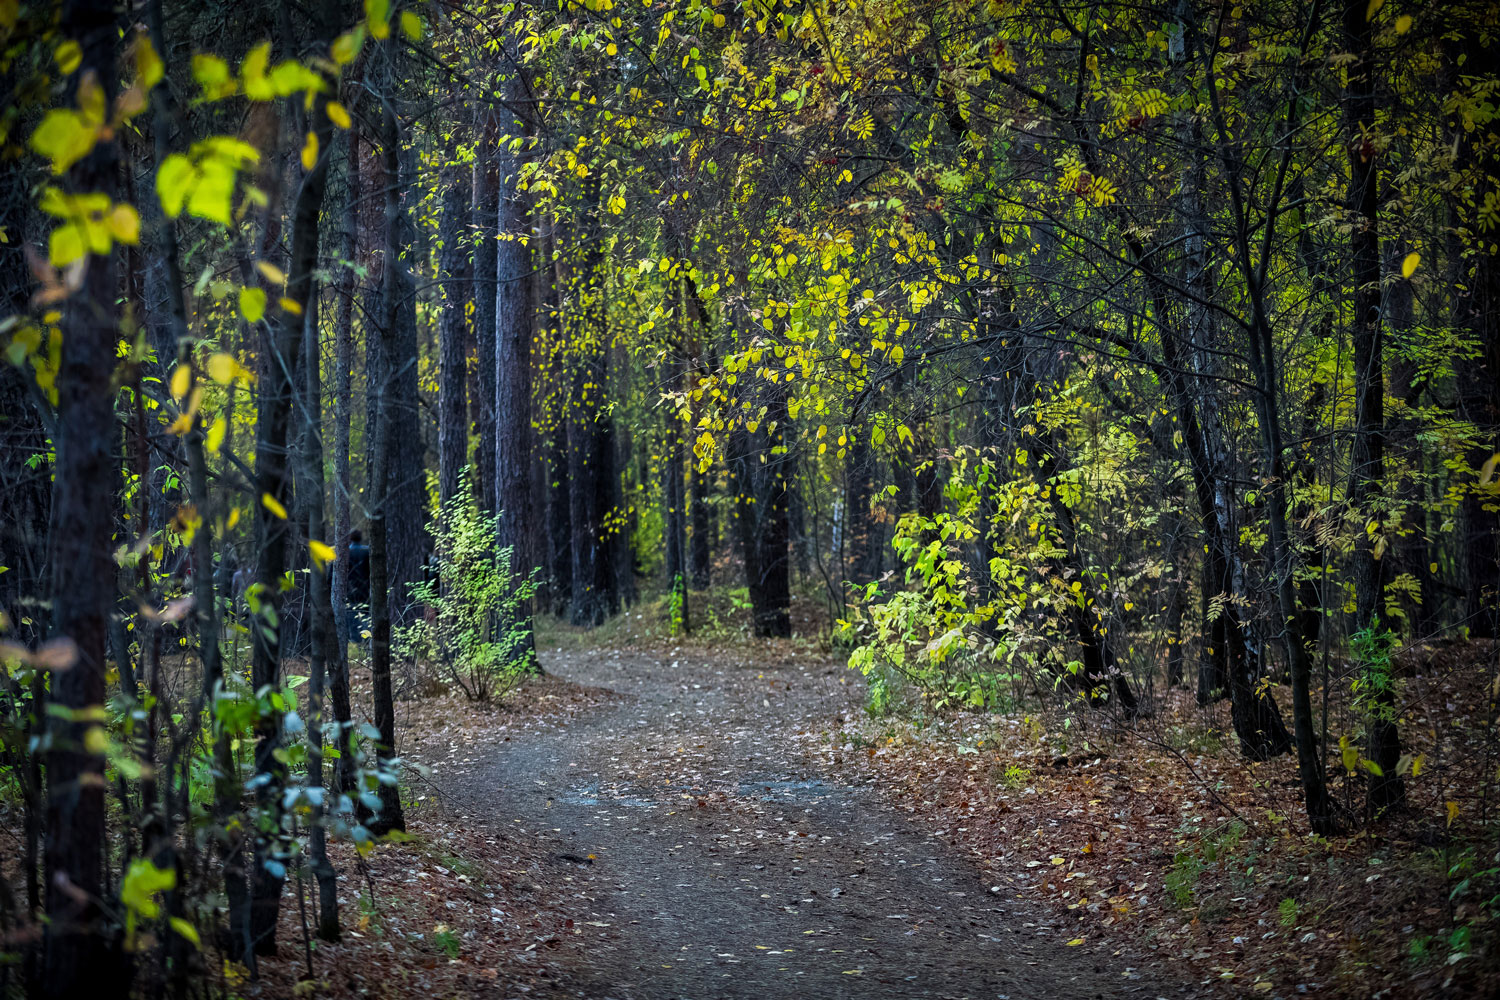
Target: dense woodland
x=1068 y=358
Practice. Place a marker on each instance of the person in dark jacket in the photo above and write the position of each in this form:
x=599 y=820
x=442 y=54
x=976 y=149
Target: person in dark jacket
x=359 y=583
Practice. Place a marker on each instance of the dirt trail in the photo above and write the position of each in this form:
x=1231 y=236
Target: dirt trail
x=704 y=855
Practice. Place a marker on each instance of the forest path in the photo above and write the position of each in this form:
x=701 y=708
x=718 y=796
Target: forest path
x=702 y=854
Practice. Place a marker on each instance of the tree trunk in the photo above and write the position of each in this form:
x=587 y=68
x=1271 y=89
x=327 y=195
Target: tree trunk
x=79 y=954
x=591 y=459
x=673 y=497
x=393 y=292
x=405 y=502
x=758 y=463
x=514 y=320
x=486 y=208
x=285 y=346
x=343 y=481
x=700 y=544
x=454 y=274
x=1386 y=788
x=1478 y=312
x=324 y=632
x=559 y=519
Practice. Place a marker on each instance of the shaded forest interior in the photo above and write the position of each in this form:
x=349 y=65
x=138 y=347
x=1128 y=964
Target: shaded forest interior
x=1112 y=372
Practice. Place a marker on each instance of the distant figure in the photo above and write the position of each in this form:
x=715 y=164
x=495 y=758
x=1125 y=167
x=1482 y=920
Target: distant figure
x=359 y=582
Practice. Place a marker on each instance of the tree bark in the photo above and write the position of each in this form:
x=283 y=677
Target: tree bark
x=758 y=462
x=78 y=951
x=343 y=477
x=454 y=273
x=393 y=292
x=514 y=321
x=1386 y=789
x=486 y=209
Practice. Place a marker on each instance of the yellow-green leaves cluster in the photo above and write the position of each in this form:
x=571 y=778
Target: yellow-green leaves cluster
x=203 y=180
x=91 y=223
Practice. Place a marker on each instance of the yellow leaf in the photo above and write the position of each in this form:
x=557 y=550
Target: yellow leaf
x=214 y=439
x=252 y=304
x=181 y=377
x=221 y=368
x=124 y=224
x=148 y=65
x=1409 y=265
x=273 y=274
x=1348 y=753
x=68 y=55
x=186 y=929
x=411 y=25
x=1452 y=811
x=273 y=505
x=310 y=151
x=347 y=46
x=1487 y=471
x=212 y=74
x=378 y=15
x=338 y=114
x=173 y=181
x=181 y=425
x=290 y=305
x=322 y=552
x=64 y=137
x=253 y=73
x=1403 y=24
x=65 y=245
x=1075 y=942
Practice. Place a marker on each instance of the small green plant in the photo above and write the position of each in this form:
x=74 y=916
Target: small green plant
x=1016 y=777
x=1420 y=949
x=472 y=630
x=1376 y=691
x=1182 y=880
x=369 y=915
x=1288 y=912
x=677 y=606
x=446 y=941
x=878 y=703
x=1459 y=943
x=1221 y=843
x=459 y=866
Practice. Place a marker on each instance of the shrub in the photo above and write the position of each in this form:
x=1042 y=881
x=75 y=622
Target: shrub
x=476 y=629
x=1182 y=880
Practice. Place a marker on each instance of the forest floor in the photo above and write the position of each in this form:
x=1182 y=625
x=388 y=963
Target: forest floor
x=650 y=822
x=722 y=817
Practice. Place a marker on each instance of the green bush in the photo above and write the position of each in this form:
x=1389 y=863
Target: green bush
x=1182 y=880
x=476 y=630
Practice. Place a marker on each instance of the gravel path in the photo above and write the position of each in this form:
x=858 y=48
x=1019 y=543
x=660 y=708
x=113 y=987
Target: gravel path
x=701 y=853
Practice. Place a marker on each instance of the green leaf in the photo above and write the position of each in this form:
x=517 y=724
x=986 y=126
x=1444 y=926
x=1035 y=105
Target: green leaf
x=378 y=16
x=253 y=73
x=186 y=929
x=213 y=194
x=212 y=74
x=252 y=303
x=64 y=137
x=173 y=180
x=142 y=882
x=65 y=245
